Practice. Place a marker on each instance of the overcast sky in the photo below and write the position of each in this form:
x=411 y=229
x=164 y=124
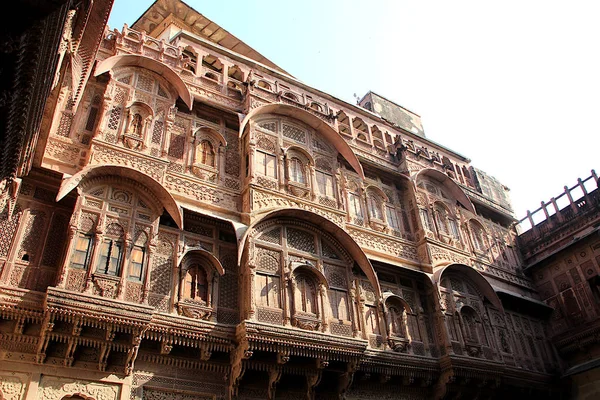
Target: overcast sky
x=513 y=85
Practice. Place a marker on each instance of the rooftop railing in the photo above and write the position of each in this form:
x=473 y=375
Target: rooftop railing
x=574 y=201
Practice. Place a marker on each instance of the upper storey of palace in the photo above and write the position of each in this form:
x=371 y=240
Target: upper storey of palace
x=381 y=133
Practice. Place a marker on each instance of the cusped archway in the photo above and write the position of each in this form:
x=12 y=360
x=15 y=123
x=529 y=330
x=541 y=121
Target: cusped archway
x=325 y=225
x=203 y=255
x=445 y=181
x=312 y=121
x=133 y=60
x=155 y=189
x=482 y=285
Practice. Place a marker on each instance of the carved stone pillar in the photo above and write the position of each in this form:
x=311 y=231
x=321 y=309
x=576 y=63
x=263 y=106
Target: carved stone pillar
x=252 y=290
x=61 y=276
x=313 y=181
x=128 y=245
x=189 y=156
x=290 y=303
x=149 y=261
x=225 y=78
x=93 y=258
x=250 y=166
x=360 y=308
x=325 y=313
x=214 y=298
x=221 y=164
x=281 y=170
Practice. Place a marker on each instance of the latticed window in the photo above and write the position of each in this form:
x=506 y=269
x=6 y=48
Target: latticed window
x=81 y=254
x=266 y=164
x=297 y=171
x=195 y=284
x=109 y=260
x=325 y=183
x=205 y=154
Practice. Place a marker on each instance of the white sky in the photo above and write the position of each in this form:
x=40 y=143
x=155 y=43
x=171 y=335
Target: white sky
x=513 y=85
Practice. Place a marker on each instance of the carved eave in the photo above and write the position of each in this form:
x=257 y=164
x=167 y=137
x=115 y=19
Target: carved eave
x=183 y=331
x=395 y=364
x=297 y=342
x=529 y=379
x=20 y=303
x=67 y=305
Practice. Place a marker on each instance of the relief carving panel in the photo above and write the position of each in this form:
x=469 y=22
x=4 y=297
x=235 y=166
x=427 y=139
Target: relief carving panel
x=54 y=388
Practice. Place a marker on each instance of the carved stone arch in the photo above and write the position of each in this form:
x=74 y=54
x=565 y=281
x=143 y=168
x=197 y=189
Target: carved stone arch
x=76 y=396
x=389 y=298
x=159 y=68
x=300 y=153
x=298 y=267
x=313 y=122
x=486 y=290
x=452 y=187
x=153 y=188
x=199 y=254
x=216 y=137
x=142 y=105
x=325 y=225
x=377 y=191
x=476 y=222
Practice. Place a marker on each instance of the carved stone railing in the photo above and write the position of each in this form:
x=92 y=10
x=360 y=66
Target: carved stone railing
x=129 y=41
x=556 y=225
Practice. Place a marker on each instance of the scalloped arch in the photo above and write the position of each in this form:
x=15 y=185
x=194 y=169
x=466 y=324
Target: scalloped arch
x=315 y=123
x=350 y=246
x=119 y=171
x=133 y=60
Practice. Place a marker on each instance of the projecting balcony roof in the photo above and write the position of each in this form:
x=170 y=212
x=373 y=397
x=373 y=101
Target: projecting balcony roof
x=183 y=15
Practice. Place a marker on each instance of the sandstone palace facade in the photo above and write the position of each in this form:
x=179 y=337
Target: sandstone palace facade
x=192 y=222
